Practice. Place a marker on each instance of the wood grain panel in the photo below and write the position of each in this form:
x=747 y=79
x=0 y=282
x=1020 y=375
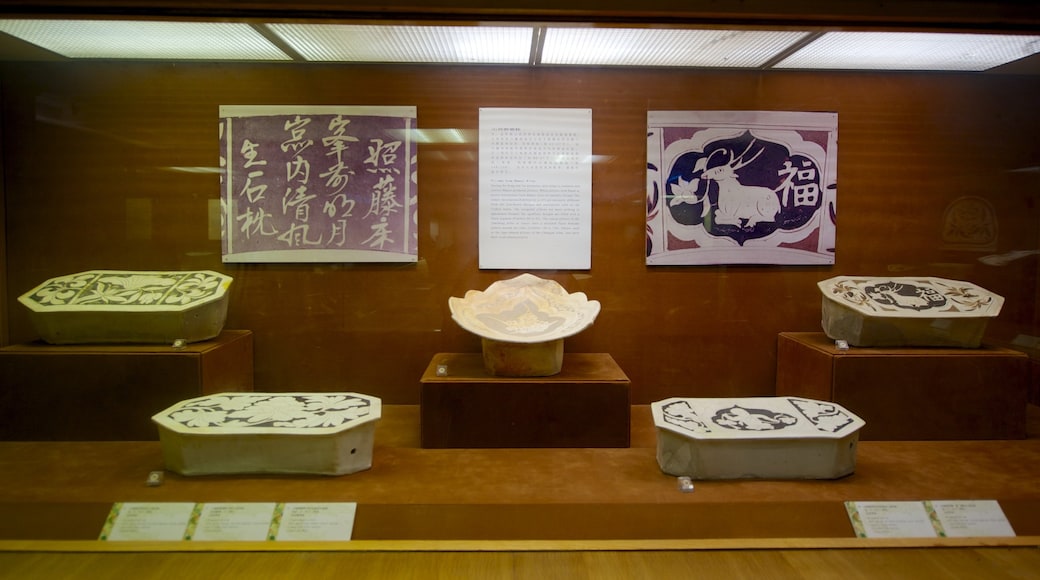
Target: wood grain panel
x=83 y=141
x=851 y=564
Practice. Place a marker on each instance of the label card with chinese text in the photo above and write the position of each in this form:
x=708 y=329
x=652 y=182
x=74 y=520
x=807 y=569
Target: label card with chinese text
x=741 y=187
x=970 y=519
x=156 y=522
x=928 y=519
x=318 y=184
x=890 y=519
x=535 y=208
x=314 y=522
x=238 y=522
x=227 y=521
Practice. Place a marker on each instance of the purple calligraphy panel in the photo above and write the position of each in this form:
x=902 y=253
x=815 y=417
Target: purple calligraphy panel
x=325 y=184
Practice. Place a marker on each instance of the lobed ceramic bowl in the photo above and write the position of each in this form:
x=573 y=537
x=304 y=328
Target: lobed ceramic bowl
x=907 y=311
x=522 y=323
x=315 y=433
x=755 y=438
x=117 y=306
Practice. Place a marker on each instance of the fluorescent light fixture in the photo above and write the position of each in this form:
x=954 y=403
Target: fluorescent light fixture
x=412 y=44
x=505 y=44
x=665 y=47
x=911 y=51
x=141 y=39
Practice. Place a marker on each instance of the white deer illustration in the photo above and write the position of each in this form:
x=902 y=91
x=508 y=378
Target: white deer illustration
x=737 y=201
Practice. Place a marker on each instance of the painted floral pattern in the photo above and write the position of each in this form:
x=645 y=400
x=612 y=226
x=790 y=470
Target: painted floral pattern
x=911 y=296
x=100 y=288
x=289 y=411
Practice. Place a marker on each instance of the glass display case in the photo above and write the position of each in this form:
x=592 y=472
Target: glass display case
x=115 y=163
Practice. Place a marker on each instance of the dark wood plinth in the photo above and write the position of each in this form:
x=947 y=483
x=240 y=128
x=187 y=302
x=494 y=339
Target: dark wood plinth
x=586 y=405
x=110 y=392
x=911 y=393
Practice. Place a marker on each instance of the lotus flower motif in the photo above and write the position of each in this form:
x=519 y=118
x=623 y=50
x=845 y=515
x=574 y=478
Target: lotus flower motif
x=525 y=309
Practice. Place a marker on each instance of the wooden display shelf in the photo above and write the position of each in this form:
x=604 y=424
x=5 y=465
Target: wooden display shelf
x=911 y=393
x=109 y=392
x=62 y=491
x=586 y=405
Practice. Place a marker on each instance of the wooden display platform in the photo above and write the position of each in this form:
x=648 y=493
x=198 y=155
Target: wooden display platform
x=110 y=392
x=524 y=513
x=63 y=490
x=586 y=405
x=911 y=393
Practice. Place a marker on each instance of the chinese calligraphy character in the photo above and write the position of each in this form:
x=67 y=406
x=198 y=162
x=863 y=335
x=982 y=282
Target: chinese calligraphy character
x=337 y=143
x=381 y=154
x=253 y=192
x=296 y=236
x=248 y=151
x=297 y=129
x=254 y=222
x=799 y=186
x=331 y=208
x=384 y=200
x=380 y=235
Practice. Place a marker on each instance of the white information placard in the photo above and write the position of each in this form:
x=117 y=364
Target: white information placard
x=890 y=519
x=230 y=521
x=928 y=519
x=314 y=521
x=153 y=522
x=535 y=208
x=234 y=522
x=971 y=519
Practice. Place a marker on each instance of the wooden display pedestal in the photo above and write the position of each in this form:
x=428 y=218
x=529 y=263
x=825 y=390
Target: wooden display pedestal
x=586 y=405
x=911 y=393
x=110 y=392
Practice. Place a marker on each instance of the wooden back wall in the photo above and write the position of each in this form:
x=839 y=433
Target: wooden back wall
x=90 y=152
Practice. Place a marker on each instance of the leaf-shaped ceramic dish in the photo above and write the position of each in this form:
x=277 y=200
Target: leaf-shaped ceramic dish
x=526 y=309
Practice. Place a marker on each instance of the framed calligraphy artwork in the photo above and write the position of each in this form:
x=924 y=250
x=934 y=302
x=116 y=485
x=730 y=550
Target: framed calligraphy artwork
x=318 y=184
x=741 y=187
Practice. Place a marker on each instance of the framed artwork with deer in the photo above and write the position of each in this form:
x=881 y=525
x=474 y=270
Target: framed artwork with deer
x=741 y=187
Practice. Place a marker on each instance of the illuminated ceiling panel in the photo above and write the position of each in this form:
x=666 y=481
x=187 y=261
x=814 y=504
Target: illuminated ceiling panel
x=549 y=45
x=418 y=44
x=665 y=47
x=138 y=39
x=911 y=51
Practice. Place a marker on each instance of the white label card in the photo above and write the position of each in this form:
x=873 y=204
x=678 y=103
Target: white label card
x=229 y=521
x=234 y=522
x=928 y=519
x=971 y=519
x=314 y=521
x=156 y=522
x=890 y=519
